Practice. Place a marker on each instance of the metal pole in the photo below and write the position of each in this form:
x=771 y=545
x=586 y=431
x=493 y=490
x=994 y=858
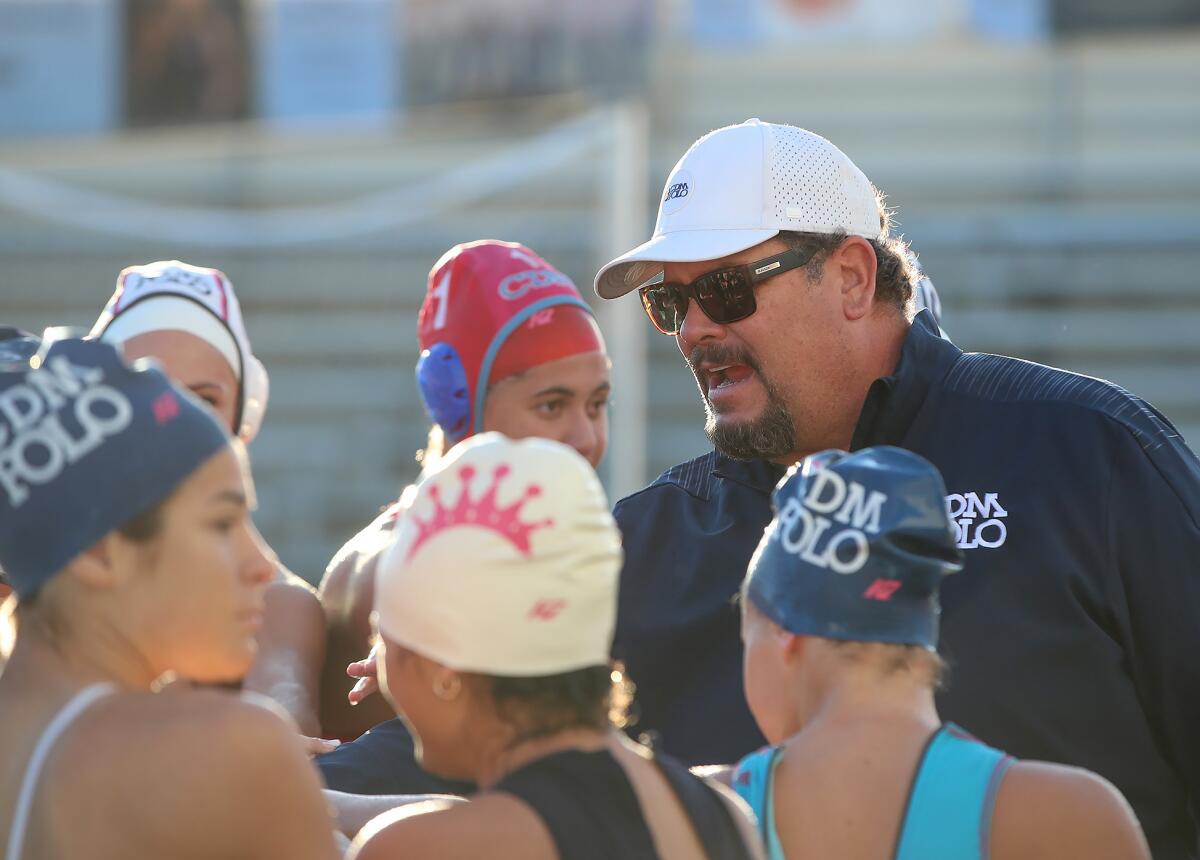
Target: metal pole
x=625 y=185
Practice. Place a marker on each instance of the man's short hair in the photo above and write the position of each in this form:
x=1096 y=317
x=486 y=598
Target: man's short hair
x=895 y=278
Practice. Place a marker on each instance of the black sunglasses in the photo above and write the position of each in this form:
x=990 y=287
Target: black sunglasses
x=725 y=295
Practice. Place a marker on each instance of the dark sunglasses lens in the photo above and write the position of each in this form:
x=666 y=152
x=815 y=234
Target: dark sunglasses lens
x=725 y=296
x=663 y=305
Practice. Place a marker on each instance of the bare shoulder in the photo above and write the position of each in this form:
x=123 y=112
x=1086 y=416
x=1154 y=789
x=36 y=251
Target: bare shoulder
x=493 y=825
x=291 y=604
x=353 y=564
x=215 y=731
x=202 y=768
x=1050 y=810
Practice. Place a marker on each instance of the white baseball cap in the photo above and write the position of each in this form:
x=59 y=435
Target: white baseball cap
x=175 y=296
x=739 y=186
x=505 y=562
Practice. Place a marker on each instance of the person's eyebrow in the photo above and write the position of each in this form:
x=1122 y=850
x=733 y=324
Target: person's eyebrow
x=203 y=386
x=560 y=390
x=602 y=388
x=234 y=497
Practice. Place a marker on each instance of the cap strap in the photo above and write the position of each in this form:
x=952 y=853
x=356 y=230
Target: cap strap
x=489 y=357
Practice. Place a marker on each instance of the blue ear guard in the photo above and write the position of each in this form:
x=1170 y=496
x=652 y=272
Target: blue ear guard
x=442 y=381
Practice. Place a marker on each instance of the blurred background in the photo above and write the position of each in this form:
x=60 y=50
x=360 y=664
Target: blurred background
x=1044 y=156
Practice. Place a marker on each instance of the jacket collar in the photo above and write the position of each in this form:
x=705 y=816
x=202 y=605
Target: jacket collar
x=891 y=405
x=893 y=401
x=761 y=475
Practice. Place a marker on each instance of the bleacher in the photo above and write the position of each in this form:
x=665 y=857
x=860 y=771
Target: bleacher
x=1053 y=194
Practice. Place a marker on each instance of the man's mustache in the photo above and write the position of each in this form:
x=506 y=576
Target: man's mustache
x=719 y=354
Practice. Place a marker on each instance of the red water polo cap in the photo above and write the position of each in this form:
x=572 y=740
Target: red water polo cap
x=493 y=309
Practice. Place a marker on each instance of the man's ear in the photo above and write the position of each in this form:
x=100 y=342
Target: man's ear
x=855 y=263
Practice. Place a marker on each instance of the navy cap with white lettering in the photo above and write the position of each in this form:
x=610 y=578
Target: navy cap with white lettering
x=87 y=443
x=857 y=549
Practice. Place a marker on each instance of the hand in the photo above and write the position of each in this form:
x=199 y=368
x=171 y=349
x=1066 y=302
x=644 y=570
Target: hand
x=317 y=746
x=367 y=672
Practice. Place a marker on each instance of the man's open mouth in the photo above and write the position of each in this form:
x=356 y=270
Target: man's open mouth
x=726 y=375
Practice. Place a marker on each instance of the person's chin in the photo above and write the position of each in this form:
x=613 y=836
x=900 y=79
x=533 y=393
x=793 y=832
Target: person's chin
x=226 y=669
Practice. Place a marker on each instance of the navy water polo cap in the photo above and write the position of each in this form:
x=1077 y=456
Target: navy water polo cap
x=857 y=549
x=86 y=444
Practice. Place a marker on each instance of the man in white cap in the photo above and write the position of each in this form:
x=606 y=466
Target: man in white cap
x=188 y=319
x=1072 y=628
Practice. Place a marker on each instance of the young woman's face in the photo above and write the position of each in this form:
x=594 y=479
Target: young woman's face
x=195 y=364
x=564 y=400
x=196 y=593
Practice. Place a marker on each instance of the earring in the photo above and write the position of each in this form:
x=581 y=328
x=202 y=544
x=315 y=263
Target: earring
x=449 y=689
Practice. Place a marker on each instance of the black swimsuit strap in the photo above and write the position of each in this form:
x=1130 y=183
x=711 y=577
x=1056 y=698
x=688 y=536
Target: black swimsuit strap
x=710 y=815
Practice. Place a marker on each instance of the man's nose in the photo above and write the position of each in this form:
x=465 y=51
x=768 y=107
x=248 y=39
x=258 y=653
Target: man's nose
x=696 y=328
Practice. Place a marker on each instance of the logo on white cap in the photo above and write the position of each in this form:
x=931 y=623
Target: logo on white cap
x=172 y=277
x=505 y=561
x=680 y=189
x=197 y=300
x=483 y=512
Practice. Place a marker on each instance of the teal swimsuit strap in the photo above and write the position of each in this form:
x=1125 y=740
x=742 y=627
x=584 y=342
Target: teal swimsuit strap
x=754 y=781
x=953 y=794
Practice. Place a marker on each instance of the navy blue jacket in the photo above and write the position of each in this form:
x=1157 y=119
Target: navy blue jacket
x=1073 y=633
x=383 y=761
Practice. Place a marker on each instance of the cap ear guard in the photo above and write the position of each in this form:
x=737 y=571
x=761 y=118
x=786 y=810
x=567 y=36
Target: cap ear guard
x=256 y=389
x=442 y=381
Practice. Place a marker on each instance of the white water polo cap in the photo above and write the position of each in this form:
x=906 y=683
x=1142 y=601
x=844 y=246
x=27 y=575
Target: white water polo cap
x=174 y=296
x=506 y=562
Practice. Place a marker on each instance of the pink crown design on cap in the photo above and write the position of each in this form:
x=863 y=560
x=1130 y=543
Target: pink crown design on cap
x=482 y=513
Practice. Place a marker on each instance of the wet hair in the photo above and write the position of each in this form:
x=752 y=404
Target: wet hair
x=595 y=697
x=146 y=525
x=891 y=658
x=895 y=659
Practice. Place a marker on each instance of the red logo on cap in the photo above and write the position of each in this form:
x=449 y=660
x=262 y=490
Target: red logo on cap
x=166 y=407
x=882 y=589
x=482 y=513
x=546 y=610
